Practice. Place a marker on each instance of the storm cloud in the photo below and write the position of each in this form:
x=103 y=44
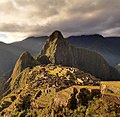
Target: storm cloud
x=22 y=18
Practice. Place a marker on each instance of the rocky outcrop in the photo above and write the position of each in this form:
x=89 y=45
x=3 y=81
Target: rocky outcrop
x=24 y=61
x=44 y=60
x=60 y=51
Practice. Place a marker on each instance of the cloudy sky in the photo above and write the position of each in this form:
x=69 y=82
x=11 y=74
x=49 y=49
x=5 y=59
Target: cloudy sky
x=23 y=18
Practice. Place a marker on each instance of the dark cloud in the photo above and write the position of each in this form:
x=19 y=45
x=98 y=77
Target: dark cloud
x=41 y=17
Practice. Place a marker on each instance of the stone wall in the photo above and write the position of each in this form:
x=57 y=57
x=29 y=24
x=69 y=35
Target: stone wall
x=112 y=87
x=111 y=91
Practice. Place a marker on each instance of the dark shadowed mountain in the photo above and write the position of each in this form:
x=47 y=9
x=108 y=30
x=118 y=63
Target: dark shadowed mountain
x=32 y=44
x=60 y=51
x=108 y=47
x=9 y=53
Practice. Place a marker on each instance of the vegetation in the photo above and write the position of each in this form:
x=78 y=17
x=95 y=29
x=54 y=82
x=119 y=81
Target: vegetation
x=53 y=91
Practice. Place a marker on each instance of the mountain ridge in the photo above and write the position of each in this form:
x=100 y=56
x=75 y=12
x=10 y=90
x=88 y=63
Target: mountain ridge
x=60 y=51
x=12 y=51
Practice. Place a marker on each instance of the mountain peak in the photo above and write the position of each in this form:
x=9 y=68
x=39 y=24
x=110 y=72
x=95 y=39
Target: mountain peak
x=61 y=52
x=56 y=35
x=24 y=55
x=24 y=61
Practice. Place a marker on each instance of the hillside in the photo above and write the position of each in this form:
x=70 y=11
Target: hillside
x=108 y=47
x=28 y=43
x=10 y=52
x=35 y=83
x=55 y=90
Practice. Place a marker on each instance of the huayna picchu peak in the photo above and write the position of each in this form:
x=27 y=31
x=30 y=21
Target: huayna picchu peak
x=60 y=51
x=56 y=34
x=60 y=81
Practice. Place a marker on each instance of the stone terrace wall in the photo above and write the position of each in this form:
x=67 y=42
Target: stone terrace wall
x=113 y=87
x=111 y=91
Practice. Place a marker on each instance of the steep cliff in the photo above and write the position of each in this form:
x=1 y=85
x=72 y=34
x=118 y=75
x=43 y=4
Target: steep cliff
x=24 y=61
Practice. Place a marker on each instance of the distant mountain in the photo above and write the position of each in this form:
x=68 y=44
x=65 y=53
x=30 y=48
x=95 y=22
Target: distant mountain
x=9 y=53
x=32 y=44
x=60 y=51
x=108 y=47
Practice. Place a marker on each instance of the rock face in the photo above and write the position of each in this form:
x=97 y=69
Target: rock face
x=60 y=51
x=44 y=60
x=108 y=47
x=24 y=61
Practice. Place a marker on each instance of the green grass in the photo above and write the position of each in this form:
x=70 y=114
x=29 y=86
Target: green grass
x=111 y=83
